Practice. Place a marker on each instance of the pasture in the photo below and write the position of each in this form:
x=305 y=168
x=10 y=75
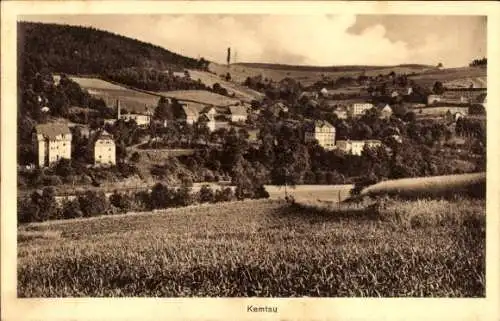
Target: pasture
x=130 y=100
x=263 y=248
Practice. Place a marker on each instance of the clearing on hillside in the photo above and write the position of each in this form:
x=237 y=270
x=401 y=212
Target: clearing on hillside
x=255 y=248
x=130 y=100
x=241 y=92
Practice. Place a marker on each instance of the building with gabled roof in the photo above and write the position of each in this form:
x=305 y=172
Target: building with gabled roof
x=321 y=131
x=52 y=142
x=104 y=149
x=238 y=113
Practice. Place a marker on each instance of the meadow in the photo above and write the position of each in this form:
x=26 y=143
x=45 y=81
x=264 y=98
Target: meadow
x=265 y=248
x=130 y=100
x=465 y=75
x=308 y=75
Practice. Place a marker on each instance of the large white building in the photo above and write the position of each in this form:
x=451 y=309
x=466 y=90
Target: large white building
x=321 y=131
x=52 y=142
x=358 y=109
x=104 y=149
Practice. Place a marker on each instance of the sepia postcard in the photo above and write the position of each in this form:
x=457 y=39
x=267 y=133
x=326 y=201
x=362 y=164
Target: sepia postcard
x=256 y=160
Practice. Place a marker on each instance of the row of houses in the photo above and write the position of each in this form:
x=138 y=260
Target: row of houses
x=324 y=133
x=52 y=142
x=189 y=113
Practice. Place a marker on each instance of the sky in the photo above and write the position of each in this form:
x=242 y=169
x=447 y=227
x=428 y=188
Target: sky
x=321 y=40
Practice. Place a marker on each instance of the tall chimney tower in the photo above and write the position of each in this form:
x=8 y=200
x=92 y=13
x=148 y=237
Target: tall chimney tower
x=228 y=56
x=118 y=108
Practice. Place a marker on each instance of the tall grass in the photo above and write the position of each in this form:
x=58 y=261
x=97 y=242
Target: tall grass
x=264 y=248
x=447 y=186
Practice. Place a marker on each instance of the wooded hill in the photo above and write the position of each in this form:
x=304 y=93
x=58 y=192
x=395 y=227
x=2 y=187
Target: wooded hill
x=84 y=50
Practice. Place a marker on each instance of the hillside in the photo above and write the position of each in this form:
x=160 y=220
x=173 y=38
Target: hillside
x=84 y=50
x=356 y=68
x=308 y=75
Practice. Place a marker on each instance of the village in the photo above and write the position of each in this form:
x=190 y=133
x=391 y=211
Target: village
x=53 y=141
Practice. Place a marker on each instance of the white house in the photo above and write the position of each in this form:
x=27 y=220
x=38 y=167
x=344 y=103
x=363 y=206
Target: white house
x=321 y=131
x=52 y=142
x=104 y=149
x=385 y=111
x=238 y=113
x=208 y=120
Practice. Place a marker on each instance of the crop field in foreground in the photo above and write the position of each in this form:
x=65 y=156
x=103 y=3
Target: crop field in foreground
x=261 y=248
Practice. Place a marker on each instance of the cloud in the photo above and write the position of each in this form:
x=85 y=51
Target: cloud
x=299 y=39
x=290 y=39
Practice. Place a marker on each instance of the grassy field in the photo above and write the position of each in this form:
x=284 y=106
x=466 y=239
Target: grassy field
x=261 y=248
x=307 y=75
x=433 y=186
x=130 y=100
x=465 y=75
x=241 y=92
x=312 y=192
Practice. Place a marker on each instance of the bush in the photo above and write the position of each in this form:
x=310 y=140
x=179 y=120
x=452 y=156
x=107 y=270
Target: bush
x=260 y=192
x=121 y=201
x=206 y=194
x=224 y=195
x=71 y=209
x=93 y=203
x=136 y=157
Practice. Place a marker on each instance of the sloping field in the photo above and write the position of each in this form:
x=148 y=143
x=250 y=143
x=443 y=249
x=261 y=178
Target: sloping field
x=307 y=75
x=332 y=193
x=241 y=92
x=435 y=186
x=253 y=248
x=131 y=100
x=467 y=75
x=202 y=96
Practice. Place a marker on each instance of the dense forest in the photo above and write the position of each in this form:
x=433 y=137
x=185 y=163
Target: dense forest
x=84 y=50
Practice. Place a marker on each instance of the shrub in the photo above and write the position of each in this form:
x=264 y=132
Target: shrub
x=93 y=203
x=71 y=209
x=121 y=201
x=224 y=195
x=136 y=157
x=260 y=192
x=206 y=195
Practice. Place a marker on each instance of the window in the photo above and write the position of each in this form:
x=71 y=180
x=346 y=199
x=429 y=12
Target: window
x=109 y=149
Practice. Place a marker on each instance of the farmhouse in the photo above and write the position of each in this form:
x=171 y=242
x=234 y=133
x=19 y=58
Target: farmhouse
x=52 y=142
x=142 y=119
x=188 y=114
x=208 y=120
x=355 y=147
x=358 y=109
x=104 y=149
x=238 y=113
x=322 y=132
x=385 y=111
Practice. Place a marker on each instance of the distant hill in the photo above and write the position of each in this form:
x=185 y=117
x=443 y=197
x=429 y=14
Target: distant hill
x=326 y=68
x=85 y=50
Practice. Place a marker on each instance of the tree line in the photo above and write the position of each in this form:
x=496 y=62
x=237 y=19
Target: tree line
x=42 y=205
